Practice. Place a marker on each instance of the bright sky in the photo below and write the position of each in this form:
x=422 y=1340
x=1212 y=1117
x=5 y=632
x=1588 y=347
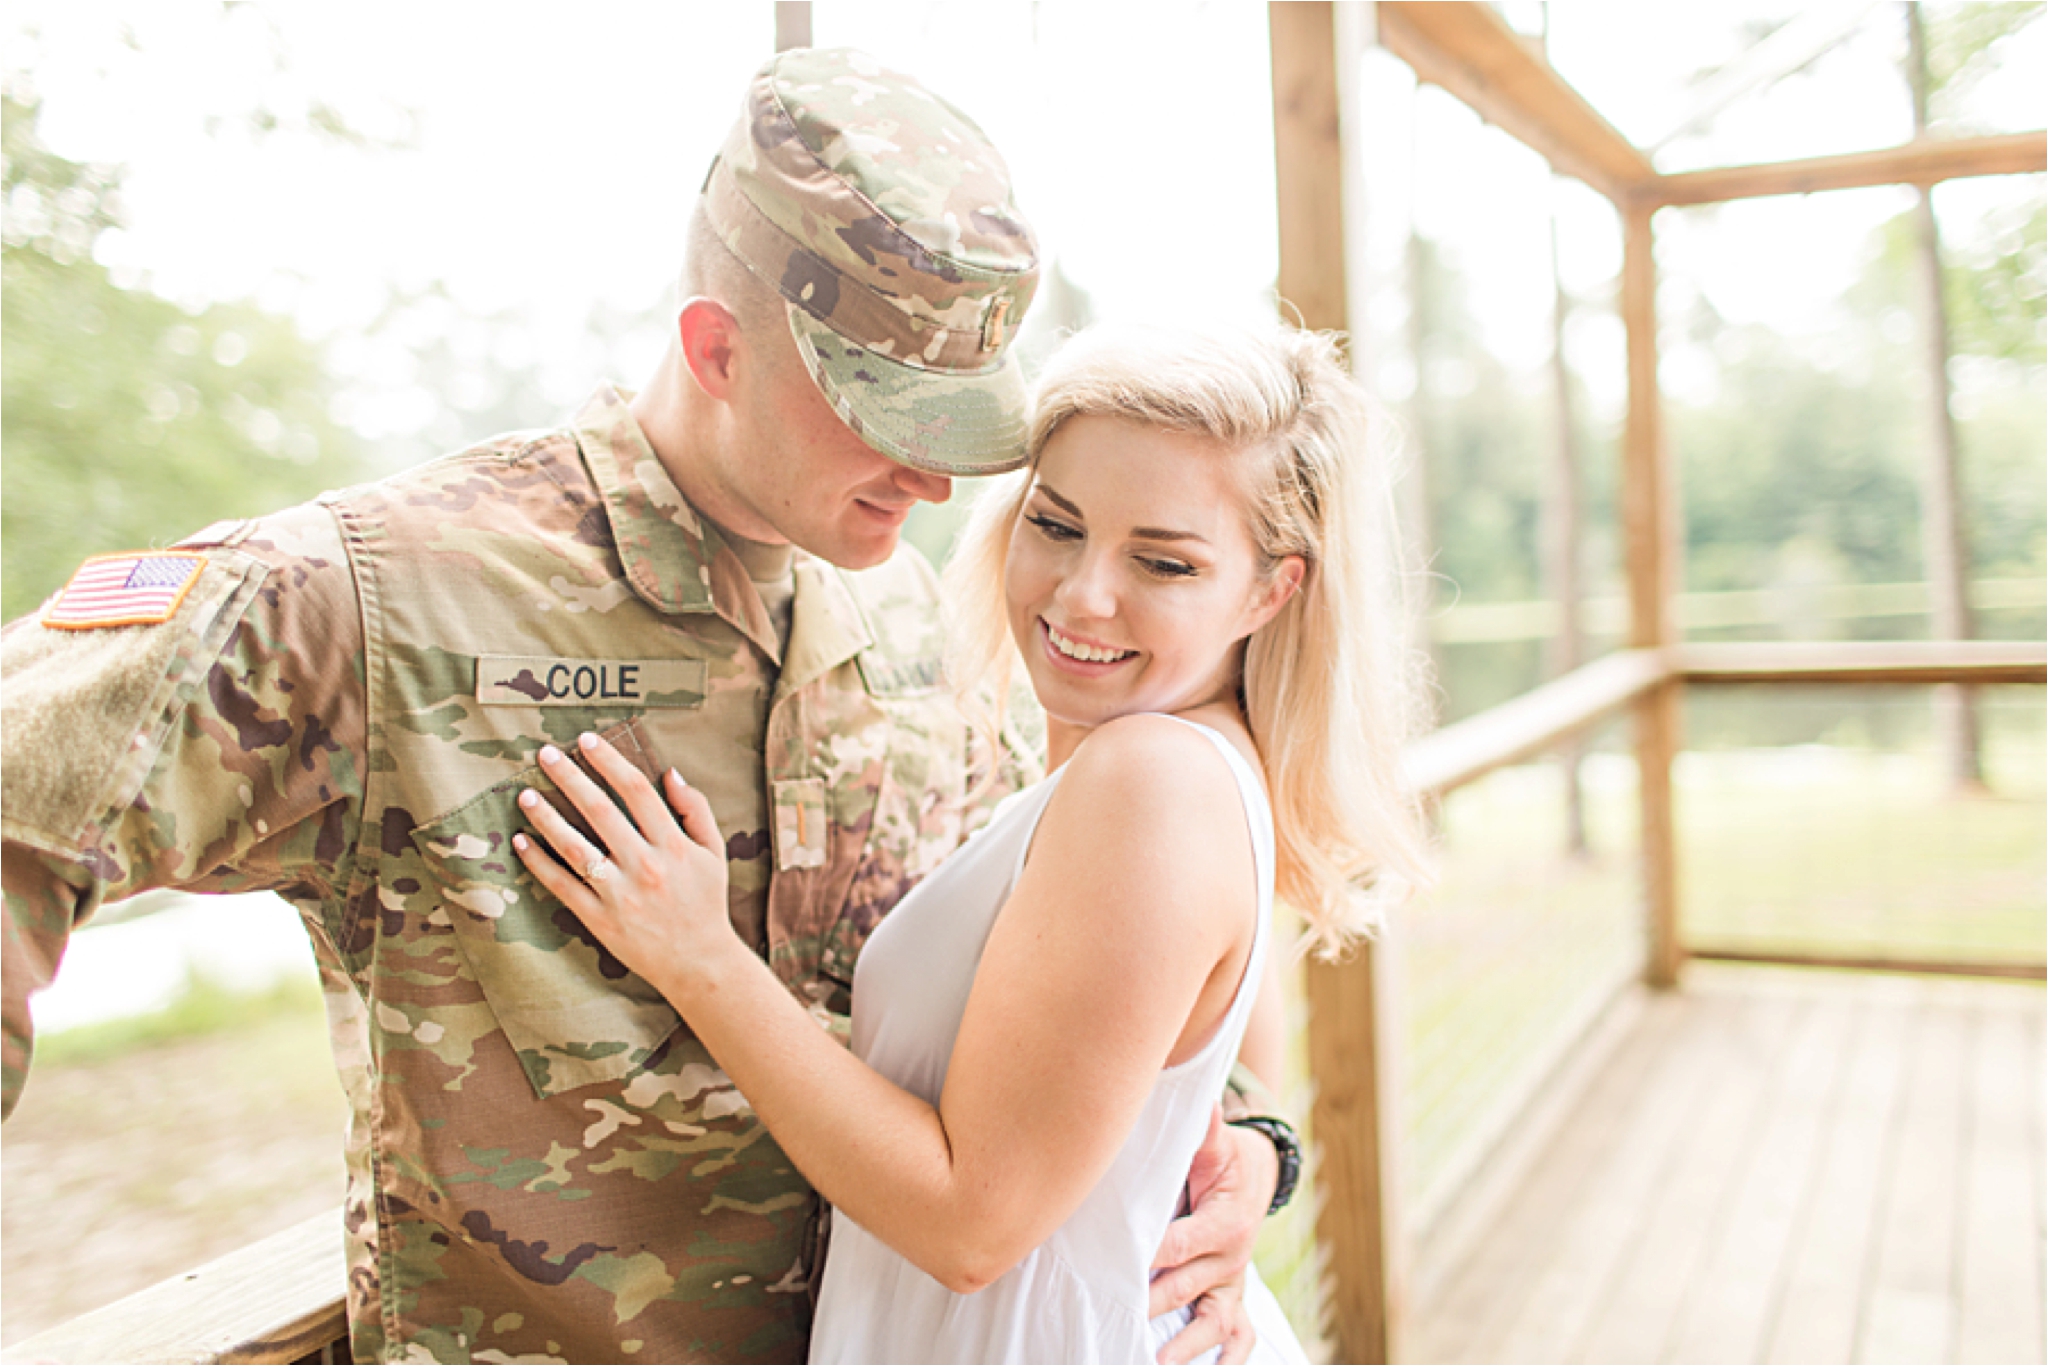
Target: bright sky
x=553 y=162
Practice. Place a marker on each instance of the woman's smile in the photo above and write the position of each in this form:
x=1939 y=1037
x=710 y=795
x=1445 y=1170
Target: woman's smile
x=1078 y=651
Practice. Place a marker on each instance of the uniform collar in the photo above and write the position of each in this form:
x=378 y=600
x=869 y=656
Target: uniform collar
x=678 y=560
x=667 y=549
x=829 y=628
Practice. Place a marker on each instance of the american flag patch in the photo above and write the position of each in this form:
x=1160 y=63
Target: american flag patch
x=136 y=589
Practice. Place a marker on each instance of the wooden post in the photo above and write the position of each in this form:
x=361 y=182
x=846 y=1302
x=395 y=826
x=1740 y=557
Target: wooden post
x=1655 y=545
x=1308 y=155
x=1352 y=1024
x=792 y=24
x=1352 y=1039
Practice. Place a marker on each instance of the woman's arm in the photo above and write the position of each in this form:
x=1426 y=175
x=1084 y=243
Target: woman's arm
x=1119 y=949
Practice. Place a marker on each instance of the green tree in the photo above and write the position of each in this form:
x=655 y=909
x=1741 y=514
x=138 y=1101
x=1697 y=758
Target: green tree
x=127 y=421
x=1794 y=460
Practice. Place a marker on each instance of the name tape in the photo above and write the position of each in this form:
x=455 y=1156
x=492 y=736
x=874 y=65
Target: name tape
x=547 y=681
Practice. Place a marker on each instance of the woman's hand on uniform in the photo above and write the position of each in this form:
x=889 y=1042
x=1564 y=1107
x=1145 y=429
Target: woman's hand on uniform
x=654 y=894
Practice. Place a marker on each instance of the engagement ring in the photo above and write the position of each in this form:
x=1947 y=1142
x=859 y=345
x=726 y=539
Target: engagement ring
x=598 y=869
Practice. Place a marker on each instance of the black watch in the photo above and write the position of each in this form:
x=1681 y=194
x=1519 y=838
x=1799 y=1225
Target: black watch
x=1287 y=1148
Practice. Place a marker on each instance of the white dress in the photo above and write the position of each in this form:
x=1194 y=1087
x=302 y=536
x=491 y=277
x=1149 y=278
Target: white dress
x=1081 y=1295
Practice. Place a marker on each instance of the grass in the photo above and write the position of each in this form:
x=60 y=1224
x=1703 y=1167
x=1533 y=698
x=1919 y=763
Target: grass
x=1835 y=851
x=204 y=1007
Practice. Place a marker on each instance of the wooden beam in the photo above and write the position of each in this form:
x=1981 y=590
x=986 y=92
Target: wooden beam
x=1887 y=661
x=276 y=1300
x=1538 y=720
x=2023 y=972
x=1532 y=723
x=1926 y=161
x=1470 y=51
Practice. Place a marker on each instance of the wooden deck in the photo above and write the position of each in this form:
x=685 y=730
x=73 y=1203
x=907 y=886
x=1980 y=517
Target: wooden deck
x=1775 y=1166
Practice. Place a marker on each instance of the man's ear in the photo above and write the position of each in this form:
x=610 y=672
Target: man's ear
x=711 y=342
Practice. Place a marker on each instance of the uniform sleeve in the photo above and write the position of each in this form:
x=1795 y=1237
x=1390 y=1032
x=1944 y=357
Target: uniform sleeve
x=220 y=750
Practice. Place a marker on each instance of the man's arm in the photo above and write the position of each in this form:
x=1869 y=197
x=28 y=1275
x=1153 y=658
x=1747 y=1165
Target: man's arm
x=217 y=749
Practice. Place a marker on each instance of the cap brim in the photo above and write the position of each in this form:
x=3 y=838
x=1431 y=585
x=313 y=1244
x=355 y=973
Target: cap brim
x=928 y=419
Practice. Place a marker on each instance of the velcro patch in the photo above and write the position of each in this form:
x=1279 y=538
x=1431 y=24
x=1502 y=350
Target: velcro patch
x=140 y=588
x=547 y=681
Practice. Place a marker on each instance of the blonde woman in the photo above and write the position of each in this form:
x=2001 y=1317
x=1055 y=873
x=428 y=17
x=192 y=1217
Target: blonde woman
x=1188 y=574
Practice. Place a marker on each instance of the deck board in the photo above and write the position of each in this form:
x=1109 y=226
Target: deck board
x=1593 y=1240
x=1684 y=1212
x=1999 y=1320
x=1910 y=1306
x=1488 y=1286
x=1820 y=1292
x=1777 y=1166
x=1729 y=1306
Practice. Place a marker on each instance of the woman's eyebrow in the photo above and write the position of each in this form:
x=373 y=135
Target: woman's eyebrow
x=1160 y=533
x=1142 y=533
x=1064 y=505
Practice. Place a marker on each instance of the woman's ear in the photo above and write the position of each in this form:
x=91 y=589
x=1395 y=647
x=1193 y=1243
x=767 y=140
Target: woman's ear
x=1282 y=585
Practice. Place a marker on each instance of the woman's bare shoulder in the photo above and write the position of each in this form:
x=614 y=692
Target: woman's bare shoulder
x=1151 y=778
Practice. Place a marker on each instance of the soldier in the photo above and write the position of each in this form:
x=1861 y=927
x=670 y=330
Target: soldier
x=342 y=701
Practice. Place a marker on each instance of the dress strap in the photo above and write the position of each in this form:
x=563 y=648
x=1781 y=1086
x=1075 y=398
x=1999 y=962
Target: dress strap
x=1258 y=810
x=1258 y=816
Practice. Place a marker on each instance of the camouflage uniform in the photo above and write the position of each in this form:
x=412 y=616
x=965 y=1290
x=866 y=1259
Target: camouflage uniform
x=542 y=1161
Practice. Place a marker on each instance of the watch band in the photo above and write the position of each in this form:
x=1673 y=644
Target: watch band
x=1286 y=1147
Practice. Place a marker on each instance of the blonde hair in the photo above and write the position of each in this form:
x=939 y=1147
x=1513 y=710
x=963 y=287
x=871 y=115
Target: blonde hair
x=1330 y=686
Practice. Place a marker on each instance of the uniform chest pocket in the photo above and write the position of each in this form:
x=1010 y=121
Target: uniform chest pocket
x=574 y=1014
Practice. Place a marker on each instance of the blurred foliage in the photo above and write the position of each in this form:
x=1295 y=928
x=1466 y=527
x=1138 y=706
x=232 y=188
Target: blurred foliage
x=1994 y=280
x=127 y=421
x=1487 y=434
x=1796 y=472
x=1963 y=47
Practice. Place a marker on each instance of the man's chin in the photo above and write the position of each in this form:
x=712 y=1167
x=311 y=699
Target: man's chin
x=858 y=552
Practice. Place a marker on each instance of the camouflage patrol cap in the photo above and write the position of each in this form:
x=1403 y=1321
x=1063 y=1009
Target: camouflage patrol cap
x=883 y=215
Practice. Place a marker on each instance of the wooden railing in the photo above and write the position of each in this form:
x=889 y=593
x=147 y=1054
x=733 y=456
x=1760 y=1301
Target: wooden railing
x=1362 y=1227
x=280 y=1299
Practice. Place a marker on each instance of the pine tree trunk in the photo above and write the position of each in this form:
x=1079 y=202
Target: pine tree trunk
x=1944 y=546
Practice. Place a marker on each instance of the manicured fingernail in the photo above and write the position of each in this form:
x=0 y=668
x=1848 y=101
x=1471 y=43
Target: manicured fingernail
x=550 y=755
x=587 y=740
x=680 y=780
x=520 y=841
x=529 y=799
